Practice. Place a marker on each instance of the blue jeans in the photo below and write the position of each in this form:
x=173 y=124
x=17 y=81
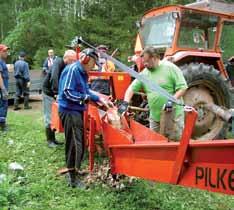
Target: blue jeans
x=3 y=109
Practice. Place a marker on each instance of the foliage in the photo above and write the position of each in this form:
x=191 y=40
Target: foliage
x=39 y=187
x=35 y=25
x=45 y=32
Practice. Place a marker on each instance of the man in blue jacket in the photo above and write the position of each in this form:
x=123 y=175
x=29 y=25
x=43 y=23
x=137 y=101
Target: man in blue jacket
x=3 y=86
x=74 y=94
x=22 y=78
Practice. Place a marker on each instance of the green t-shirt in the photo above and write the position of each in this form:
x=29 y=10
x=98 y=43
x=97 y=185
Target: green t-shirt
x=166 y=75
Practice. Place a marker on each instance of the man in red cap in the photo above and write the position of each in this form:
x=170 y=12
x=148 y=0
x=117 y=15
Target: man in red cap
x=3 y=86
x=102 y=84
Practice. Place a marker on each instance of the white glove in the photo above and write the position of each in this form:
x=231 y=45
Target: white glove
x=4 y=93
x=28 y=84
x=108 y=104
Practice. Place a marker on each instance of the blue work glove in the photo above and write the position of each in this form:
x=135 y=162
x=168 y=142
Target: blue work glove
x=4 y=93
x=123 y=107
x=168 y=107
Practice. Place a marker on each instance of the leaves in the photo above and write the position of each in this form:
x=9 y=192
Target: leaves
x=36 y=25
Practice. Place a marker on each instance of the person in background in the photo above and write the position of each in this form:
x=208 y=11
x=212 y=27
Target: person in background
x=104 y=64
x=74 y=94
x=48 y=62
x=3 y=87
x=50 y=92
x=22 y=78
x=102 y=84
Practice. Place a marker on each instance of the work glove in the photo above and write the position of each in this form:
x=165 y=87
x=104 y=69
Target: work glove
x=4 y=93
x=107 y=103
x=123 y=107
x=168 y=107
x=28 y=84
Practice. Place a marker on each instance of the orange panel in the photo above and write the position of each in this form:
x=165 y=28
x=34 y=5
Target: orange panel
x=56 y=123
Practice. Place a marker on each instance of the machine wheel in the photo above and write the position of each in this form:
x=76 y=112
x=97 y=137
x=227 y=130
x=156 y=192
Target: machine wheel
x=206 y=85
x=143 y=117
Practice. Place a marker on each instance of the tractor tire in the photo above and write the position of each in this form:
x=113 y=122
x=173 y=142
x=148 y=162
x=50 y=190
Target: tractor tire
x=143 y=117
x=206 y=85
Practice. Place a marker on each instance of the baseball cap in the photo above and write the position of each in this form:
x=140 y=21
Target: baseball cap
x=3 y=48
x=22 y=54
x=102 y=47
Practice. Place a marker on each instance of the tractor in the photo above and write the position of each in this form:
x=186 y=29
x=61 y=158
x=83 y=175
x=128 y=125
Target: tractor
x=199 y=39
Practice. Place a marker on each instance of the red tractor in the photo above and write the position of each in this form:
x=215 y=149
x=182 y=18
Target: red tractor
x=198 y=40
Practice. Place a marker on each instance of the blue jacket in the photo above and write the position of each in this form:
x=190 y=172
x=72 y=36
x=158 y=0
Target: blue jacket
x=74 y=89
x=21 y=70
x=4 y=73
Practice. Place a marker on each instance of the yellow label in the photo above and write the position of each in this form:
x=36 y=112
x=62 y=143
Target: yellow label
x=120 y=78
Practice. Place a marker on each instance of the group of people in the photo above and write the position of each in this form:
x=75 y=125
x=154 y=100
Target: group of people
x=66 y=80
x=22 y=81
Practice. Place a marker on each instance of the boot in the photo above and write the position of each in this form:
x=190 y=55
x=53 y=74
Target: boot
x=49 y=137
x=54 y=139
x=16 y=104
x=3 y=127
x=26 y=103
x=73 y=180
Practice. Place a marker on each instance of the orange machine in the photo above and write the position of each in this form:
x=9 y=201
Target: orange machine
x=135 y=150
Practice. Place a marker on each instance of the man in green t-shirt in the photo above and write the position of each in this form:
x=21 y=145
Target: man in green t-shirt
x=166 y=75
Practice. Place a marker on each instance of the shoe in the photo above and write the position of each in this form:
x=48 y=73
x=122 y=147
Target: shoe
x=58 y=143
x=27 y=107
x=3 y=127
x=16 y=104
x=26 y=103
x=52 y=137
x=51 y=144
x=80 y=185
x=71 y=178
x=16 y=108
x=73 y=181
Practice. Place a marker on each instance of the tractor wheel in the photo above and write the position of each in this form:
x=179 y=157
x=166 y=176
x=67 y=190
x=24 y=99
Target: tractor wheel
x=206 y=85
x=143 y=117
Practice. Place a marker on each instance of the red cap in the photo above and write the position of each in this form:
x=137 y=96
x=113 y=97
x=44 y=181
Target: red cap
x=3 y=48
x=102 y=47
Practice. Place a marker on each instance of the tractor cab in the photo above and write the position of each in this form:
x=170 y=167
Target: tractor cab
x=190 y=31
x=196 y=31
x=158 y=31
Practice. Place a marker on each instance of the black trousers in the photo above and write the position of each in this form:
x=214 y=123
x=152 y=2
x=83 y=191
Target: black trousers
x=74 y=146
x=21 y=88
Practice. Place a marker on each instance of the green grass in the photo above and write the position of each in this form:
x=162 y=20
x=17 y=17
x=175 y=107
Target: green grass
x=39 y=186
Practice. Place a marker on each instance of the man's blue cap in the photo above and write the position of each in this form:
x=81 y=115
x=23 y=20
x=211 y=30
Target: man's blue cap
x=22 y=54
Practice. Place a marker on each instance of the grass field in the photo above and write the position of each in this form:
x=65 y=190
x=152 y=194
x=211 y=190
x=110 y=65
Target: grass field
x=39 y=186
